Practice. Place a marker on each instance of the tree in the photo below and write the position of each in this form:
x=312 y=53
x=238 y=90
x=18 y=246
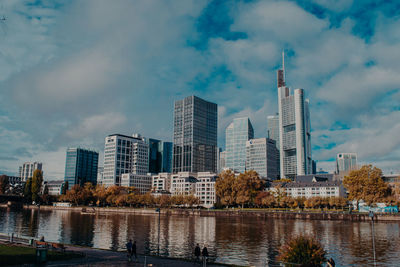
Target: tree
x=100 y=195
x=45 y=198
x=366 y=184
x=37 y=180
x=64 y=188
x=303 y=250
x=28 y=190
x=224 y=187
x=4 y=183
x=248 y=185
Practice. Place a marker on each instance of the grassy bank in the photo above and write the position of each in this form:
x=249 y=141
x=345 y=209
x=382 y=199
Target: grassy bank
x=17 y=255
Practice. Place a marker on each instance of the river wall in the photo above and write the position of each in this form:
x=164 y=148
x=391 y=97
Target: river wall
x=231 y=213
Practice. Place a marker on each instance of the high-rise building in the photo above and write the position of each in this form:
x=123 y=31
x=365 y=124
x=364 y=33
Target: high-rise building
x=261 y=156
x=294 y=131
x=100 y=171
x=236 y=136
x=160 y=155
x=195 y=135
x=273 y=128
x=81 y=167
x=27 y=169
x=346 y=162
x=124 y=154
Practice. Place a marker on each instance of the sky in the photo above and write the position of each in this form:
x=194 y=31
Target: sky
x=73 y=72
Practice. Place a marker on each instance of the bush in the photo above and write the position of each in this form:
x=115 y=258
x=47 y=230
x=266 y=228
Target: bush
x=302 y=250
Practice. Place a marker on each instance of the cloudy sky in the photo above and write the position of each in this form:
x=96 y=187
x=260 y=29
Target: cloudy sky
x=72 y=72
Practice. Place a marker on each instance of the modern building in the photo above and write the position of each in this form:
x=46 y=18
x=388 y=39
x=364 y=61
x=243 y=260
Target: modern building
x=262 y=157
x=273 y=128
x=161 y=182
x=124 y=154
x=139 y=181
x=311 y=189
x=346 y=162
x=54 y=187
x=195 y=135
x=205 y=189
x=221 y=161
x=100 y=171
x=81 y=166
x=183 y=183
x=160 y=155
x=294 y=130
x=236 y=136
x=27 y=169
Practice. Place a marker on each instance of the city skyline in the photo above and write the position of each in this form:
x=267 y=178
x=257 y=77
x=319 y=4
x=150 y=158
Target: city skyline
x=72 y=73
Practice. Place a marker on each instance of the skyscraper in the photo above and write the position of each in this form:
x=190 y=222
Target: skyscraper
x=262 y=157
x=81 y=167
x=294 y=130
x=124 y=154
x=195 y=135
x=346 y=162
x=160 y=155
x=27 y=169
x=236 y=135
x=273 y=128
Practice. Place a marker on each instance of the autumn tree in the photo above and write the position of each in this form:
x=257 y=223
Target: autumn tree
x=248 y=185
x=100 y=195
x=37 y=180
x=225 y=187
x=4 y=183
x=64 y=188
x=366 y=184
x=28 y=190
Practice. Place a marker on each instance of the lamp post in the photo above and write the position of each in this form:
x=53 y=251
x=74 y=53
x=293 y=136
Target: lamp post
x=158 y=242
x=371 y=215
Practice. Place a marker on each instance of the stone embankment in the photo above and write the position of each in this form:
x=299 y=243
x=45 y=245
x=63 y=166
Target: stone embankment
x=344 y=216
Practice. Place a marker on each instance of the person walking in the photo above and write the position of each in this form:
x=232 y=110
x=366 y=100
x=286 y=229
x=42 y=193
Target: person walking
x=205 y=255
x=134 y=250
x=197 y=252
x=331 y=263
x=129 y=246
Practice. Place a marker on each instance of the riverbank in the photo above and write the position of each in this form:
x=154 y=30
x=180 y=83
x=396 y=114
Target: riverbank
x=260 y=213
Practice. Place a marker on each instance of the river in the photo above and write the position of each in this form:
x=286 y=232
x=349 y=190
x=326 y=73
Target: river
x=235 y=240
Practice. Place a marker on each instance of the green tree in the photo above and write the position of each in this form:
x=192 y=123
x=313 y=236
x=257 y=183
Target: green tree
x=28 y=190
x=366 y=184
x=37 y=180
x=225 y=189
x=45 y=198
x=302 y=250
x=4 y=183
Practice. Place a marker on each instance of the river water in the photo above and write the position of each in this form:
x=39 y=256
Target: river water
x=235 y=240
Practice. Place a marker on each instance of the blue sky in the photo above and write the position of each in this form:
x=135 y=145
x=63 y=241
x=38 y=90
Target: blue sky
x=72 y=72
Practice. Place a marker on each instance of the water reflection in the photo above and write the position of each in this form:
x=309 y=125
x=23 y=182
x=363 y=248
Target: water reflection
x=236 y=240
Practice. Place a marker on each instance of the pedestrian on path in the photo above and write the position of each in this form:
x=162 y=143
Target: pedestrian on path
x=129 y=246
x=197 y=252
x=331 y=263
x=205 y=254
x=134 y=250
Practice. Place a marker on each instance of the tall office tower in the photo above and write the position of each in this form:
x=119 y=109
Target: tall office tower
x=346 y=162
x=27 y=169
x=195 y=135
x=222 y=161
x=124 y=154
x=236 y=136
x=262 y=157
x=160 y=155
x=81 y=167
x=273 y=128
x=294 y=131
x=100 y=171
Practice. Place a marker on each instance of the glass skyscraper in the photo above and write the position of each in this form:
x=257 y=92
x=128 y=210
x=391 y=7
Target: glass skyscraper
x=81 y=167
x=160 y=155
x=195 y=135
x=236 y=136
x=346 y=162
x=273 y=128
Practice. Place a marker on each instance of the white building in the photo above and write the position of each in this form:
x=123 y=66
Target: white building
x=205 y=189
x=124 y=154
x=100 y=171
x=27 y=169
x=294 y=130
x=161 y=182
x=183 y=183
x=312 y=189
x=261 y=156
x=139 y=181
x=346 y=162
x=54 y=187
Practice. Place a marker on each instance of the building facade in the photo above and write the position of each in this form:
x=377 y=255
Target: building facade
x=161 y=182
x=312 y=189
x=294 y=131
x=236 y=136
x=346 y=162
x=205 y=189
x=54 y=187
x=273 y=128
x=183 y=183
x=27 y=169
x=160 y=155
x=262 y=157
x=124 y=154
x=195 y=135
x=139 y=181
x=81 y=167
